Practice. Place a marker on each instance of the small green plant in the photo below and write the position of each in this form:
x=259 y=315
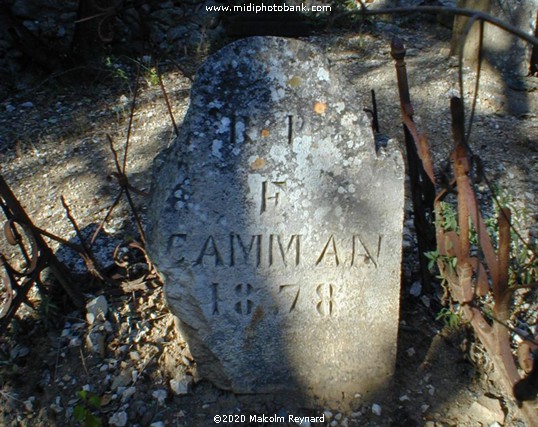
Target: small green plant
x=116 y=68
x=449 y=217
x=152 y=77
x=83 y=412
x=450 y=318
x=434 y=257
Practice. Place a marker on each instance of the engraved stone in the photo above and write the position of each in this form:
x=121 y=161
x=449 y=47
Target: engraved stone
x=278 y=229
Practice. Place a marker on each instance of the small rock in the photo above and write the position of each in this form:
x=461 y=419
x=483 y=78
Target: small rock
x=445 y=51
x=28 y=104
x=376 y=409
x=122 y=380
x=29 y=404
x=416 y=289
x=157 y=424
x=487 y=410
x=95 y=341
x=160 y=395
x=97 y=308
x=75 y=342
x=328 y=415
x=56 y=407
x=119 y=419
x=180 y=385
x=404 y=398
x=129 y=391
x=411 y=351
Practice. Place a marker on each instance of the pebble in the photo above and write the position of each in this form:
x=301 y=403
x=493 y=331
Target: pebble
x=27 y=104
x=119 y=419
x=160 y=395
x=157 y=424
x=376 y=409
x=29 y=404
x=95 y=341
x=128 y=393
x=122 y=380
x=180 y=385
x=75 y=342
x=416 y=289
x=97 y=308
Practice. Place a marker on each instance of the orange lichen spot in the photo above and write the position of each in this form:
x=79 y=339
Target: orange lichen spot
x=265 y=133
x=258 y=163
x=320 y=107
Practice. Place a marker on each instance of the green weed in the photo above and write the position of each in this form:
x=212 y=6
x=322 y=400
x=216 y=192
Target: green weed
x=84 y=411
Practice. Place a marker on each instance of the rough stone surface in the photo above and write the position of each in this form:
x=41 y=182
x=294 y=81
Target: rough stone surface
x=278 y=229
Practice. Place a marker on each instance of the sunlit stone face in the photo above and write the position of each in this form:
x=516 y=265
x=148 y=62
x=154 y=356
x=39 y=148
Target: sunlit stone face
x=278 y=229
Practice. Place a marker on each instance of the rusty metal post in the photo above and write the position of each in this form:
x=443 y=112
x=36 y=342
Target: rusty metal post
x=397 y=51
x=422 y=187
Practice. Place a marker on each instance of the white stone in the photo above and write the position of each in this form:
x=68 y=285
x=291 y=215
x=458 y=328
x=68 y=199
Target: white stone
x=97 y=308
x=181 y=384
x=160 y=395
x=259 y=280
x=376 y=409
x=119 y=419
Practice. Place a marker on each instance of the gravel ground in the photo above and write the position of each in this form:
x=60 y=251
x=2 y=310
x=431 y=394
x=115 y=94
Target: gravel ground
x=127 y=365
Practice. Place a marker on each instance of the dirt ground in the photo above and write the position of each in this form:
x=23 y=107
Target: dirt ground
x=130 y=367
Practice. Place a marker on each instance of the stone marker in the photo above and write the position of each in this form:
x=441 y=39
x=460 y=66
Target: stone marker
x=277 y=228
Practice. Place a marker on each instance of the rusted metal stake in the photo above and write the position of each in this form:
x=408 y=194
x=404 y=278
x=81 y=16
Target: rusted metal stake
x=422 y=185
